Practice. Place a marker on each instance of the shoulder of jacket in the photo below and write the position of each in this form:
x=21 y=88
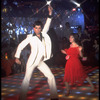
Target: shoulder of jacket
x=30 y=35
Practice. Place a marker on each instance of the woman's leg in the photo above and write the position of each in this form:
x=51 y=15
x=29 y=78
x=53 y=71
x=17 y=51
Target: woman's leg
x=68 y=88
x=92 y=86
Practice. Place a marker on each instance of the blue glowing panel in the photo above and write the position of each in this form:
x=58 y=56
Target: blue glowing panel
x=89 y=74
x=94 y=72
x=10 y=94
x=13 y=86
x=30 y=88
x=88 y=93
x=62 y=75
x=93 y=82
x=48 y=94
x=76 y=18
x=78 y=92
x=5 y=85
x=41 y=99
x=85 y=82
x=58 y=90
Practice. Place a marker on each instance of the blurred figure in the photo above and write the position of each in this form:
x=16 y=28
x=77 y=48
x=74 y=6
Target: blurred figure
x=67 y=30
x=55 y=45
x=96 y=49
x=79 y=29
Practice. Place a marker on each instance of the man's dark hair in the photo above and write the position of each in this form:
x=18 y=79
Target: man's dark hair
x=79 y=27
x=38 y=23
x=67 y=24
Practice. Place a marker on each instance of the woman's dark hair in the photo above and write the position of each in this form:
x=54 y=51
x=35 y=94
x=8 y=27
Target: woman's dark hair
x=38 y=23
x=76 y=37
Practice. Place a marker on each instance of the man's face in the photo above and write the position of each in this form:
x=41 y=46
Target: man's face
x=37 y=29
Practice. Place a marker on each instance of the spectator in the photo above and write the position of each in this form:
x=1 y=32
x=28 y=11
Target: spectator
x=67 y=30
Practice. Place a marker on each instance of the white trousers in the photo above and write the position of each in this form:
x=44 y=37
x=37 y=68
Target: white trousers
x=47 y=73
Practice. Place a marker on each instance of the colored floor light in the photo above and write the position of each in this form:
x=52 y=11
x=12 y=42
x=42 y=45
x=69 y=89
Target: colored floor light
x=60 y=95
x=83 y=98
x=78 y=92
x=11 y=95
x=84 y=89
x=94 y=99
x=13 y=86
x=12 y=90
x=41 y=99
x=71 y=97
x=88 y=93
x=48 y=94
x=42 y=93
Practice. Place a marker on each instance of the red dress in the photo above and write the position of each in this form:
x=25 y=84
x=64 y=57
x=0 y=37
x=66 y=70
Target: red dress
x=74 y=71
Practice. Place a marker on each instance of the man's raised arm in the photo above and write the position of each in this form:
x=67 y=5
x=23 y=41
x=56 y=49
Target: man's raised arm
x=48 y=21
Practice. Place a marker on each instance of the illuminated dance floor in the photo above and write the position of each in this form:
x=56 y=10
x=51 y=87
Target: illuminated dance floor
x=39 y=90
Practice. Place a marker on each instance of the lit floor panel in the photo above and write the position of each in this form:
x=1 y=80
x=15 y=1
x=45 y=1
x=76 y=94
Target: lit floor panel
x=39 y=90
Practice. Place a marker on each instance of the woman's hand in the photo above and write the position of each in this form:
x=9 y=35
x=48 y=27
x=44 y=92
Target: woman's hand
x=67 y=57
x=63 y=51
x=84 y=58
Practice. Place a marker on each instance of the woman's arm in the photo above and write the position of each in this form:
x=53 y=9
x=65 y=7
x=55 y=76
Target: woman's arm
x=80 y=51
x=81 y=54
x=63 y=51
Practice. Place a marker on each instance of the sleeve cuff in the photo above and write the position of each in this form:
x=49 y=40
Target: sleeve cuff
x=50 y=16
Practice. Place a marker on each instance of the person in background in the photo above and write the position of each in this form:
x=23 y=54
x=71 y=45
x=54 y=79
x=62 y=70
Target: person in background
x=79 y=29
x=67 y=30
x=96 y=49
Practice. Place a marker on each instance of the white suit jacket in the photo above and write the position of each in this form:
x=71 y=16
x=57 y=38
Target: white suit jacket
x=39 y=49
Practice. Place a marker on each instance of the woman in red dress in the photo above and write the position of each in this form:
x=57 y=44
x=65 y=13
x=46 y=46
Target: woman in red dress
x=74 y=71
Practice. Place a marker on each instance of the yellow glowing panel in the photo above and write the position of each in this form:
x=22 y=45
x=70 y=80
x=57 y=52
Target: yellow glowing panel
x=95 y=99
x=83 y=98
x=12 y=90
x=35 y=75
x=3 y=94
x=71 y=96
x=60 y=72
x=60 y=95
x=93 y=76
x=4 y=89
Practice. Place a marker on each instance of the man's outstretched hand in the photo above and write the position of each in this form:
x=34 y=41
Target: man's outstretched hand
x=17 y=61
x=50 y=9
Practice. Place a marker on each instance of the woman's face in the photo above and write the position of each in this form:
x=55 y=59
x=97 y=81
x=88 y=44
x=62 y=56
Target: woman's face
x=71 y=38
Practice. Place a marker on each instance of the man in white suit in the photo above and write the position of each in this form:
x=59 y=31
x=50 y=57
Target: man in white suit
x=40 y=51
